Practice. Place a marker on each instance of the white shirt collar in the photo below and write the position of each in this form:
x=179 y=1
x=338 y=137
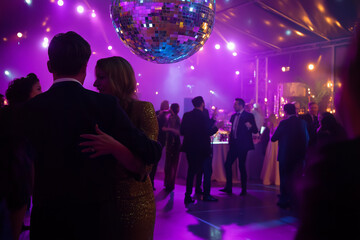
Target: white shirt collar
x=66 y=80
x=241 y=111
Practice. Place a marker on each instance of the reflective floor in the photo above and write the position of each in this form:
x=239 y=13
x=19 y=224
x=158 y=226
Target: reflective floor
x=252 y=217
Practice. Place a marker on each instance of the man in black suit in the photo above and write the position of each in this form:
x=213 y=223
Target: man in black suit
x=208 y=165
x=197 y=129
x=312 y=121
x=240 y=142
x=74 y=195
x=293 y=140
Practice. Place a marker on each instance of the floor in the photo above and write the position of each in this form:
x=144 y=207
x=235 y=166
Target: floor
x=253 y=217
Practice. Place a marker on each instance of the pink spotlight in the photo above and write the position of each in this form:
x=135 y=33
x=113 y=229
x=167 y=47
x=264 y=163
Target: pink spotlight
x=109 y=48
x=80 y=9
x=234 y=54
x=217 y=46
x=237 y=72
x=93 y=14
x=60 y=3
x=192 y=67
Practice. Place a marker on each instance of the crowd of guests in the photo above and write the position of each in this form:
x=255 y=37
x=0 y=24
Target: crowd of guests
x=89 y=160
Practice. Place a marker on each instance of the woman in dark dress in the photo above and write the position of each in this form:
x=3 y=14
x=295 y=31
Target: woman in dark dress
x=172 y=147
x=15 y=166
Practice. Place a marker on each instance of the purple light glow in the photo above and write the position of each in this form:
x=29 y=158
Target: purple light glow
x=215 y=69
x=80 y=9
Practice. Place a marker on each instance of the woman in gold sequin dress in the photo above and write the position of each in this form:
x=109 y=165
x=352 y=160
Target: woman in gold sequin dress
x=135 y=201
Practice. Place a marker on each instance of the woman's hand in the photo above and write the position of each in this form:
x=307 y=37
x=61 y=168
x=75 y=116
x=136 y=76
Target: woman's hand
x=101 y=144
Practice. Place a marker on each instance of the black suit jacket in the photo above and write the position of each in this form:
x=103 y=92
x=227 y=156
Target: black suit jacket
x=312 y=126
x=244 y=139
x=196 y=127
x=293 y=140
x=55 y=119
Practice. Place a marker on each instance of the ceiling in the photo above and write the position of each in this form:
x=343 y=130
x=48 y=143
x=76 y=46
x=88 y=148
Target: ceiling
x=265 y=26
x=258 y=26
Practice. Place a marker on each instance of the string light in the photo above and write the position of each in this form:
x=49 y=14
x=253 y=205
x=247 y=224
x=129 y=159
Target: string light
x=45 y=42
x=231 y=46
x=311 y=67
x=60 y=3
x=80 y=9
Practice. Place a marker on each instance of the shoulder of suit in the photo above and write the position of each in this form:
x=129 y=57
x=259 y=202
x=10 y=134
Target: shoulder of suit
x=100 y=95
x=105 y=99
x=248 y=113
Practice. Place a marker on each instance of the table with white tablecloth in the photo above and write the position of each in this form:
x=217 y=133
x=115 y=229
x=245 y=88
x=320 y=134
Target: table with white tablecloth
x=253 y=164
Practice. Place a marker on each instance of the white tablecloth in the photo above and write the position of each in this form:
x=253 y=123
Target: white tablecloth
x=219 y=157
x=270 y=171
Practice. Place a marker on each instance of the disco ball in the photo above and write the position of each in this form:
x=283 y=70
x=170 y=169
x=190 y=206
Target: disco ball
x=163 y=31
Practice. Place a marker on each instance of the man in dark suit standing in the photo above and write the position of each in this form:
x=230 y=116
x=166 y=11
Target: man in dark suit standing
x=293 y=140
x=240 y=142
x=74 y=195
x=197 y=129
x=312 y=121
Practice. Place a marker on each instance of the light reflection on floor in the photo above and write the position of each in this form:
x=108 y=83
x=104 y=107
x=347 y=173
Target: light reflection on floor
x=254 y=217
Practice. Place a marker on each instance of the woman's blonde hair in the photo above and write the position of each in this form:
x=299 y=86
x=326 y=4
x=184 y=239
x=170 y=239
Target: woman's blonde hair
x=122 y=78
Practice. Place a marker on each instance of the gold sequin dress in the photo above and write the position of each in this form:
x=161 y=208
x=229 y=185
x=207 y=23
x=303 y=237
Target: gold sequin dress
x=135 y=199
